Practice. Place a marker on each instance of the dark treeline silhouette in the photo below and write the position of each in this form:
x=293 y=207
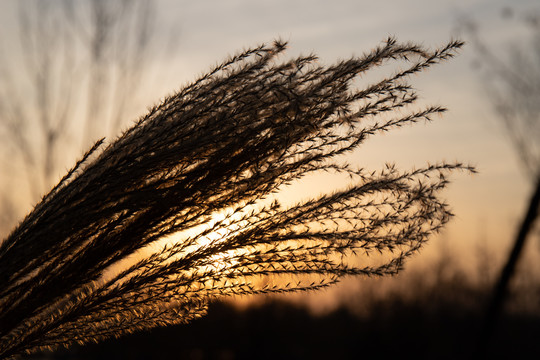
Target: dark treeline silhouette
x=438 y=321
x=431 y=311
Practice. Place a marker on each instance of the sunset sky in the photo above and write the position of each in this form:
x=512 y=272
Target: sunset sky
x=486 y=205
x=198 y=34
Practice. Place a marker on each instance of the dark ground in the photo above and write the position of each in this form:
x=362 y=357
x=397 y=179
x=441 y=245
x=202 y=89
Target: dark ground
x=437 y=313
x=277 y=330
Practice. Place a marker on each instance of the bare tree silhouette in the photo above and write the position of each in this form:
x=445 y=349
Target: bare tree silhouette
x=204 y=165
x=514 y=87
x=75 y=55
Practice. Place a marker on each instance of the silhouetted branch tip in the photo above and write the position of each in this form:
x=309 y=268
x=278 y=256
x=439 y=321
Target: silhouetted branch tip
x=204 y=165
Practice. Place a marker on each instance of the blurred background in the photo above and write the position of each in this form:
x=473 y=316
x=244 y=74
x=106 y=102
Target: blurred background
x=72 y=72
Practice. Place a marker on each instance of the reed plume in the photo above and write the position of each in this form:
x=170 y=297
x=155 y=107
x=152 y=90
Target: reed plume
x=205 y=164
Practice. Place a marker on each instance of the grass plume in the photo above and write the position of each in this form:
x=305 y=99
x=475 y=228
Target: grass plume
x=224 y=144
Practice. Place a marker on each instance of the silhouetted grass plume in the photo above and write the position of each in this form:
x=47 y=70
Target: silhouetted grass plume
x=205 y=165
